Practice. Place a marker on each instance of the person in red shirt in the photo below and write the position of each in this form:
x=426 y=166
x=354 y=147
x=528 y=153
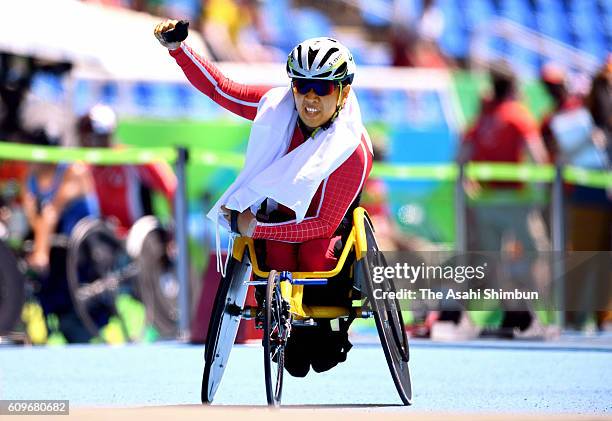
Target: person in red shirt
x=504 y=131
x=501 y=213
x=321 y=72
x=123 y=190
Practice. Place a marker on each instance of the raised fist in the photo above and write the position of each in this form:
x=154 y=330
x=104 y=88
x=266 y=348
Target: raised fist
x=165 y=26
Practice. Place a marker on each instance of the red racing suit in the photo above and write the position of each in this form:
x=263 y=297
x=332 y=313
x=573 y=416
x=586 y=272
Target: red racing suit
x=291 y=245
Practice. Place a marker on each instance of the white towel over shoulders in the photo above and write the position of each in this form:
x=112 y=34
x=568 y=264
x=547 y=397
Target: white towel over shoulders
x=293 y=178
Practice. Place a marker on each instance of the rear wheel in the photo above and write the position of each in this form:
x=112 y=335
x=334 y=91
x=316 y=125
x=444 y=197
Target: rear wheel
x=388 y=317
x=224 y=323
x=97 y=268
x=275 y=334
x=158 y=283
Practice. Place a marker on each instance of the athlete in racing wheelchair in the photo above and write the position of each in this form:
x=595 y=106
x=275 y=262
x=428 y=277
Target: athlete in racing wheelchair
x=307 y=159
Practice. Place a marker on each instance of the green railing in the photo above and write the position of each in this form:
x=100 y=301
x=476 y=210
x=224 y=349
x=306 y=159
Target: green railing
x=439 y=172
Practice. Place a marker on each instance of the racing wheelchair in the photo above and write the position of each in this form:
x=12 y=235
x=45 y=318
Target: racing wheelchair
x=283 y=308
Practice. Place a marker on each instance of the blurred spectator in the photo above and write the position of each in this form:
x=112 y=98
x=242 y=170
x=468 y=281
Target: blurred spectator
x=235 y=31
x=409 y=50
x=503 y=132
x=599 y=102
x=414 y=42
x=590 y=209
x=55 y=198
x=124 y=191
x=501 y=213
x=430 y=24
x=554 y=79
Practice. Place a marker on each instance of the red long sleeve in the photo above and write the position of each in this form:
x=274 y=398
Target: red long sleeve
x=208 y=79
x=337 y=193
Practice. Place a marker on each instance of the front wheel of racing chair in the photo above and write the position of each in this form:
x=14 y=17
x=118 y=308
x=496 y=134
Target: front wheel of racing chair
x=224 y=322
x=276 y=328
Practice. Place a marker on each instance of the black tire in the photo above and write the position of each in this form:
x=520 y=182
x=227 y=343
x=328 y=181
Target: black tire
x=96 y=257
x=158 y=283
x=388 y=318
x=224 y=323
x=12 y=290
x=274 y=336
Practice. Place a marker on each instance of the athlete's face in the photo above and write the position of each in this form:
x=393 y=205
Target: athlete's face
x=316 y=108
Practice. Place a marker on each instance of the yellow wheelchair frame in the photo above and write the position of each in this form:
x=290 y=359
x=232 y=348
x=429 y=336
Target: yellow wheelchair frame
x=293 y=293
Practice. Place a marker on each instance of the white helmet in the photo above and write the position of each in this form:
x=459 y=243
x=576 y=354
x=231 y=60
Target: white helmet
x=321 y=58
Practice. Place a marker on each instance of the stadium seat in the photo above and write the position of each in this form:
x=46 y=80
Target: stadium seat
x=583 y=23
x=455 y=42
x=83 y=100
x=310 y=23
x=595 y=47
x=450 y=9
x=143 y=94
x=477 y=12
x=48 y=87
x=374 y=12
x=518 y=11
x=276 y=16
x=525 y=61
x=109 y=94
x=606 y=23
x=182 y=96
x=584 y=6
x=549 y=6
x=606 y=6
x=498 y=45
x=549 y=24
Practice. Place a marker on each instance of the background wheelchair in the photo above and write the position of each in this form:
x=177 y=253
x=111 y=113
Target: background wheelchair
x=98 y=266
x=283 y=308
